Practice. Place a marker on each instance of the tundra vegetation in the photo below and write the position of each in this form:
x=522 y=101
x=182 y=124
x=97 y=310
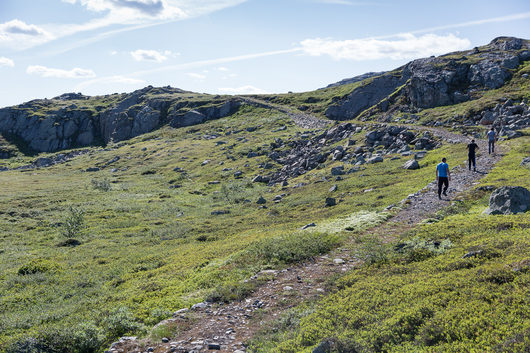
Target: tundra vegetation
x=112 y=237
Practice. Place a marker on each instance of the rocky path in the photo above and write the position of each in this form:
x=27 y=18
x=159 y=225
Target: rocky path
x=303 y=120
x=226 y=328
x=425 y=202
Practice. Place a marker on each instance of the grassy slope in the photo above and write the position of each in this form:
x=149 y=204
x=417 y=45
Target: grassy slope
x=424 y=300
x=152 y=249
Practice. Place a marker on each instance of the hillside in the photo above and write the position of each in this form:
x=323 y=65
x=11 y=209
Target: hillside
x=120 y=210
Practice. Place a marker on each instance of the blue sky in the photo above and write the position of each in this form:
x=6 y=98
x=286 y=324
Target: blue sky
x=49 y=47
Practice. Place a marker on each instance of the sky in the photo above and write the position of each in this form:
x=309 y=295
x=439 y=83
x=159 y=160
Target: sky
x=51 y=47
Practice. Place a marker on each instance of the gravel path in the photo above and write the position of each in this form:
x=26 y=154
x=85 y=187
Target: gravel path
x=225 y=328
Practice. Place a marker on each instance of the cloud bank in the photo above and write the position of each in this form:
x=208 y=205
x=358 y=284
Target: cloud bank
x=405 y=46
x=44 y=71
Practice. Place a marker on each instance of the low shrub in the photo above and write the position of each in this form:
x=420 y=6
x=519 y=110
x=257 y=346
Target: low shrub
x=37 y=266
x=103 y=185
x=120 y=322
x=290 y=248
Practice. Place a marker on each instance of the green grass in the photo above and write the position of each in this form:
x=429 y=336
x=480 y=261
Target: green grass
x=145 y=248
x=427 y=298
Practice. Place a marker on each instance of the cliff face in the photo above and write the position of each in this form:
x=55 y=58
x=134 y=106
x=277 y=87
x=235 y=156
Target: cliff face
x=437 y=81
x=74 y=120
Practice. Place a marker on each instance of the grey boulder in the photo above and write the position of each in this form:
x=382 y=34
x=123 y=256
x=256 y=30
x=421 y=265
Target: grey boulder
x=509 y=200
x=412 y=164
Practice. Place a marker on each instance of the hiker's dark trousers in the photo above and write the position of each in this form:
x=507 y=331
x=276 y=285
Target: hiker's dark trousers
x=471 y=158
x=441 y=182
x=491 y=146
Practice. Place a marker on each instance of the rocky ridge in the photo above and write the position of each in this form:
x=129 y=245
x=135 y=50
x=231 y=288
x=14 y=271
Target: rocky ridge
x=73 y=120
x=435 y=81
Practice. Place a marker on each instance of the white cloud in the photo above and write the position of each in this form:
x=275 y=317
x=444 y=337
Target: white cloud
x=406 y=46
x=134 y=12
x=18 y=34
x=149 y=55
x=242 y=90
x=222 y=68
x=196 y=75
x=6 y=62
x=44 y=71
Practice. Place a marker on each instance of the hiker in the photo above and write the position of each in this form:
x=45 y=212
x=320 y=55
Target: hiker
x=471 y=154
x=443 y=175
x=492 y=137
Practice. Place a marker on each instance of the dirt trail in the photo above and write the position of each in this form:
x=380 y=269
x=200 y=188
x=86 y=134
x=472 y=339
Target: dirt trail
x=225 y=328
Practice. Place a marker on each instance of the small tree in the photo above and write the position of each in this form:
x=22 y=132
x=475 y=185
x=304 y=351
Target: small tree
x=74 y=222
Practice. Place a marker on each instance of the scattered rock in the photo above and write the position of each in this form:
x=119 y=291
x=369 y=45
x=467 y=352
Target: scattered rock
x=525 y=162
x=214 y=346
x=260 y=179
x=376 y=159
x=333 y=188
x=43 y=162
x=337 y=170
x=219 y=212
x=199 y=306
x=92 y=169
x=309 y=225
x=411 y=164
x=330 y=201
x=261 y=200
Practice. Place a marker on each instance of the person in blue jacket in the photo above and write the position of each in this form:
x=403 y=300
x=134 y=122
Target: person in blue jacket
x=443 y=176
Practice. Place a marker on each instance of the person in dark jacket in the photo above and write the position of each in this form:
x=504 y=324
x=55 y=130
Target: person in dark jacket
x=471 y=155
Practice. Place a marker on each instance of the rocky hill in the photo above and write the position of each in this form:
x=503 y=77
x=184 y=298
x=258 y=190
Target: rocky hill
x=436 y=81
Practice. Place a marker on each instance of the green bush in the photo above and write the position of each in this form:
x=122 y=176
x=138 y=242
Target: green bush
x=74 y=222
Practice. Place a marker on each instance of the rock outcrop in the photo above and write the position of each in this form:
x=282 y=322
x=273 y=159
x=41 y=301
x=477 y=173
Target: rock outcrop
x=73 y=120
x=509 y=200
x=436 y=81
